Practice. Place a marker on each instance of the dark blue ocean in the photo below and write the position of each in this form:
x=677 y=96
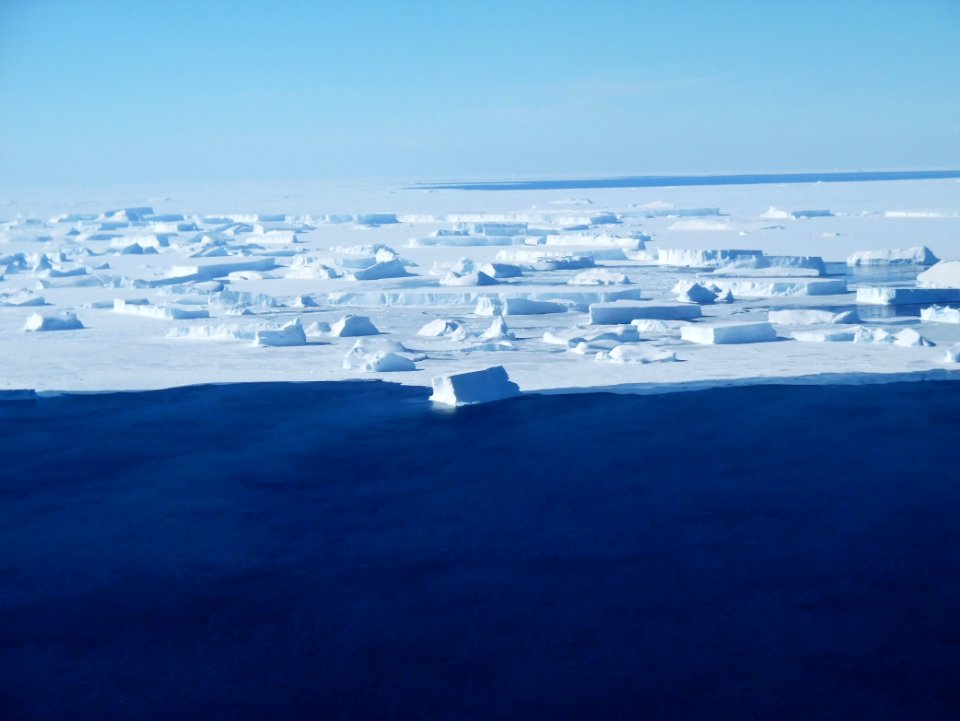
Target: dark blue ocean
x=345 y=551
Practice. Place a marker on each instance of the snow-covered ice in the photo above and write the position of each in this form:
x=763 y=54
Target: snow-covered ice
x=308 y=272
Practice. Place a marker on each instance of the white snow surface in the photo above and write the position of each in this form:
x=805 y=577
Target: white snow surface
x=237 y=262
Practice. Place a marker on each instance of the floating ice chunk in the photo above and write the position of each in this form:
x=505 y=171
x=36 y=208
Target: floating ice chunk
x=488 y=306
x=654 y=327
x=940 y=314
x=909 y=338
x=50 y=322
x=377 y=362
x=379 y=271
x=490 y=347
x=700 y=224
x=184 y=273
x=790 y=266
x=498 y=330
x=862 y=334
x=691 y=292
x=636 y=354
x=811 y=317
x=599 y=276
x=290 y=333
x=318 y=327
x=625 y=311
x=781 y=287
x=917 y=255
x=484 y=386
x=212 y=332
x=945 y=274
x=683 y=258
x=773 y=213
x=439 y=328
x=304 y=267
x=586 y=339
x=127 y=214
x=829 y=335
x=377 y=355
x=953 y=354
x=724 y=333
x=542 y=259
x=21 y=299
x=885 y=295
x=501 y=270
x=157 y=311
x=353 y=325
x=469 y=279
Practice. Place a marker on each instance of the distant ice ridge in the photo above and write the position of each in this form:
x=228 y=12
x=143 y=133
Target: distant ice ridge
x=483 y=386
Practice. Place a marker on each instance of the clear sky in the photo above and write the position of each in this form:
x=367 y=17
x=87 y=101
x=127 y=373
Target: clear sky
x=144 y=90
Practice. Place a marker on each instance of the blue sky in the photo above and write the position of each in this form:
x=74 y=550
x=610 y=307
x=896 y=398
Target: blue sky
x=115 y=92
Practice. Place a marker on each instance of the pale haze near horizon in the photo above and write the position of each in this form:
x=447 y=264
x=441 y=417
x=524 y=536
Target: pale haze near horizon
x=110 y=92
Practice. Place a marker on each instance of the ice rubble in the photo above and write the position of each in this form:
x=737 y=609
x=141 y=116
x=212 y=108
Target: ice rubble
x=483 y=386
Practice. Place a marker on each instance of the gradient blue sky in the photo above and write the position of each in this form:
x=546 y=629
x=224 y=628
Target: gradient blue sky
x=107 y=92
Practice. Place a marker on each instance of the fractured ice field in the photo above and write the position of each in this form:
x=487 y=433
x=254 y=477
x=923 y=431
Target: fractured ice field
x=667 y=287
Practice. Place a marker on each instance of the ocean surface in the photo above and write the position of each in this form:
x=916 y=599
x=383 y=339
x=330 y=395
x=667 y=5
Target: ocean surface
x=679 y=181
x=347 y=551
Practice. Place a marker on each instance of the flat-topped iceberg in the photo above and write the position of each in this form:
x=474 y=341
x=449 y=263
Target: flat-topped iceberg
x=52 y=321
x=723 y=333
x=625 y=311
x=917 y=255
x=483 y=386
